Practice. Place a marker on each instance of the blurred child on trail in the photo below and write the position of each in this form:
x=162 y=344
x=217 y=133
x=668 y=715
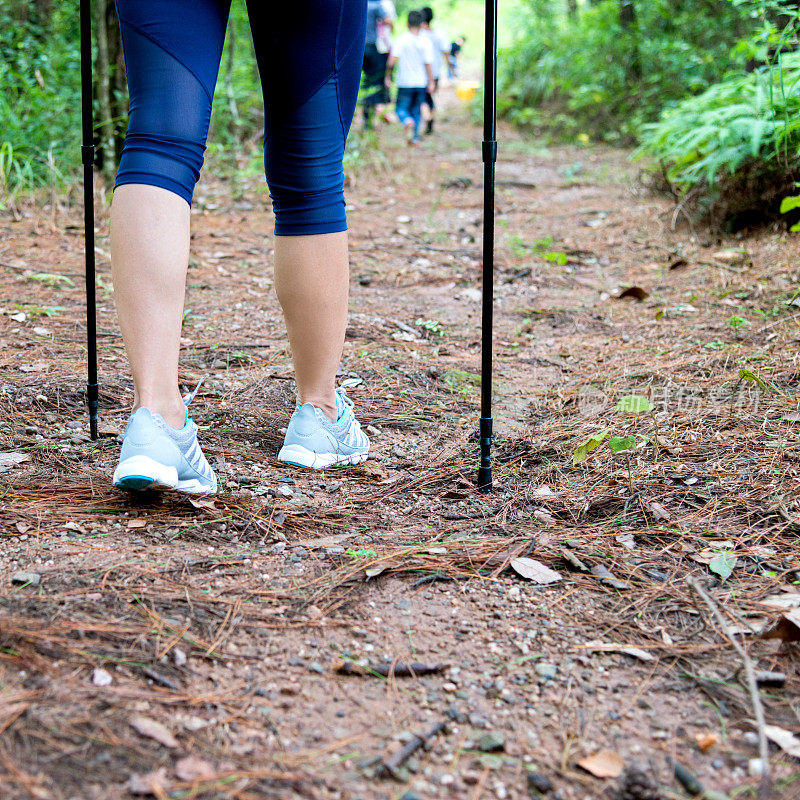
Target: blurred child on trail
x=413 y=55
x=440 y=45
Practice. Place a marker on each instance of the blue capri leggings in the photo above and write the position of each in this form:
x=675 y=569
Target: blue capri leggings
x=309 y=55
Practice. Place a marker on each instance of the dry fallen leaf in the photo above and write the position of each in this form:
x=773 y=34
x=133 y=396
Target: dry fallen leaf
x=206 y=503
x=786 y=628
x=636 y=292
x=150 y=783
x=734 y=257
x=605 y=575
x=533 y=570
x=10 y=460
x=137 y=523
x=611 y=647
x=657 y=510
x=603 y=764
x=193 y=768
x=784 y=600
x=786 y=740
x=155 y=730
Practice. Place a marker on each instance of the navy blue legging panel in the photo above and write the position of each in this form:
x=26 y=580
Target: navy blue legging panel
x=309 y=54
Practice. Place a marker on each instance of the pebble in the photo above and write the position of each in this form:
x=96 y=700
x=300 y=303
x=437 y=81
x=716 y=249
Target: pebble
x=101 y=677
x=454 y=714
x=284 y=490
x=75 y=424
x=755 y=766
x=315 y=666
x=31 y=430
x=179 y=657
x=546 y=671
x=751 y=738
x=29 y=578
x=491 y=743
x=538 y=782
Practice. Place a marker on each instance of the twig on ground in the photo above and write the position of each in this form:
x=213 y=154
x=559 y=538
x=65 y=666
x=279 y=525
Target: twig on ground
x=391 y=765
x=395 y=669
x=765 y=784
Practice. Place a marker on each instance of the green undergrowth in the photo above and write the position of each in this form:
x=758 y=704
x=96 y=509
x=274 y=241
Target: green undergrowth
x=733 y=152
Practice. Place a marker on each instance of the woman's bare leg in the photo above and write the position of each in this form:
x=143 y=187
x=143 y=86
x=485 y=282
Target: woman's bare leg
x=311 y=280
x=149 y=259
x=150 y=253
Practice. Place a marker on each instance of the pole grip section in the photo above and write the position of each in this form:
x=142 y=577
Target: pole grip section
x=489 y=150
x=485 y=468
x=87 y=154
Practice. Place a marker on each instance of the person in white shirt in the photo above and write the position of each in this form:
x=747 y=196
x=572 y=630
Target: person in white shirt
x=441 y=48
x=413 y=55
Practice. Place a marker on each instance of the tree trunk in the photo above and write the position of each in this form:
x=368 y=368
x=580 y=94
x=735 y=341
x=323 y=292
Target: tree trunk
x=627 y=18
x=236 y=121
x=106 y=150
x=119 y=83
x=627 y=14
x=44 y=11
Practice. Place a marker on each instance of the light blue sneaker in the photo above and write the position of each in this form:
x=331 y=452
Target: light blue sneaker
x=313 y=441
x=157 y=456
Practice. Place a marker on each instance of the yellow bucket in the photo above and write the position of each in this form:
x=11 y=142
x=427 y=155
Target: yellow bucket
x=465 y=90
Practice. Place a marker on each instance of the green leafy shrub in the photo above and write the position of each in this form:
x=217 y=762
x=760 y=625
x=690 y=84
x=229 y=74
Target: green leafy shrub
x=39 y=101
x=732 y=153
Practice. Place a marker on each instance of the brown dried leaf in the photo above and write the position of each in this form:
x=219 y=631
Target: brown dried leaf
x=155 y=730
x=603 y=764
x=786 y=628
x=150 y=783
x=657 y=510
x=193 y=768
x=636 y=292
x=786 y=740
x=206 y=503
x=608 y=577
x=628 y=650
x=734 y=257
x=533 y=570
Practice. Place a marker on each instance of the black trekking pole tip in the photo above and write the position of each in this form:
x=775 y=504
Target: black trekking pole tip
x=485 y=426
x=92 y=401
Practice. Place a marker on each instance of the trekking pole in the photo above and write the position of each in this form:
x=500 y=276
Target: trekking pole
x=489 y=154
x=87 y=158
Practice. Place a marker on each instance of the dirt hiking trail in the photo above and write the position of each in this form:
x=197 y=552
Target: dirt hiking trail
x=386 y=632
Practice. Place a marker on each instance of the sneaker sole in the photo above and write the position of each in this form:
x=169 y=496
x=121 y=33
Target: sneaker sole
x=140 y=473
x=299 y=456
